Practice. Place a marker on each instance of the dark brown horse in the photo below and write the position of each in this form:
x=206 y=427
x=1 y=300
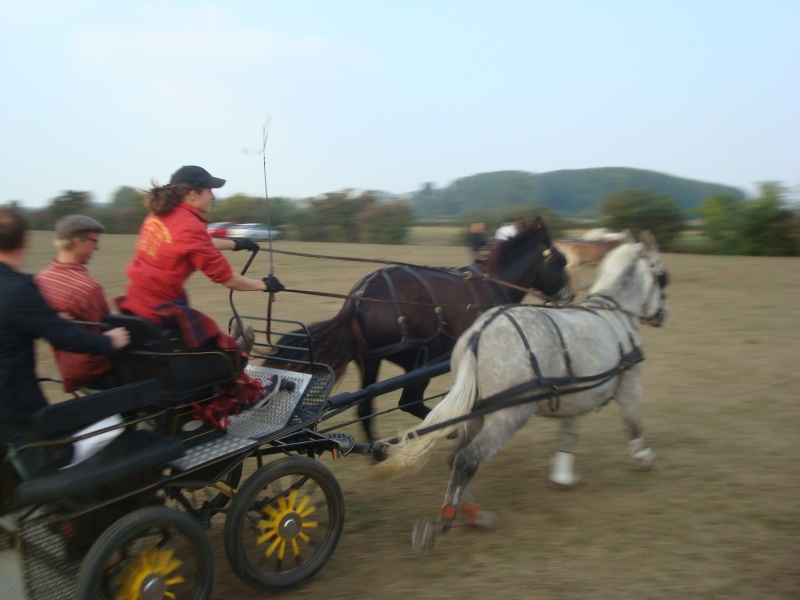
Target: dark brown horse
x=413 y=315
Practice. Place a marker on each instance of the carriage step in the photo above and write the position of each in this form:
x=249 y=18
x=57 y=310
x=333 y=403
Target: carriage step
x=345 y=440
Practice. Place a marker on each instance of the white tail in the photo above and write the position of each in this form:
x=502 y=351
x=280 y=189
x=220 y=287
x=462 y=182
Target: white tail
x=408 y=454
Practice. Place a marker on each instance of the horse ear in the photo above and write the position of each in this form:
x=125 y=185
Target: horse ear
x=627 y=237
x=649 y=241
x=537 y=223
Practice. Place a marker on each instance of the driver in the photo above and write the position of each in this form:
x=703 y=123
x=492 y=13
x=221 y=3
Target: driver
x=25 y=316
x=174 y=243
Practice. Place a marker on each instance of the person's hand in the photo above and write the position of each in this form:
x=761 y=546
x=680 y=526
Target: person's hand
x=273 y=285
x=119 y=337
x=245 y=244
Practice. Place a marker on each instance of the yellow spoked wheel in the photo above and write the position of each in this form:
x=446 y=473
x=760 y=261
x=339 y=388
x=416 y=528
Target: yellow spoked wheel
x=152 y=574
x=284 y=523
x=154 y=553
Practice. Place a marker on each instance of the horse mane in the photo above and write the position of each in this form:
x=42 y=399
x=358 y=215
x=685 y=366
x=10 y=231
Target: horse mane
x=532 y=230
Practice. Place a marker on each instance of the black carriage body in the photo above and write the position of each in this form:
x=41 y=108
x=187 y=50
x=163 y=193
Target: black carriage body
x=54 y=514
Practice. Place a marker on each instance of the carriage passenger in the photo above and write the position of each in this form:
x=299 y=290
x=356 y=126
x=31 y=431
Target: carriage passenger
x=25 y=316
x=174 y=243
x=70 y=290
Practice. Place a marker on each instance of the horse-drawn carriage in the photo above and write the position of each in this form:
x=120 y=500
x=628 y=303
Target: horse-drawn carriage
x=128 y=521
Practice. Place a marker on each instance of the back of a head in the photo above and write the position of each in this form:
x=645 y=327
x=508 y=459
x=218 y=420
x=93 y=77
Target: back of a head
x=13 y=228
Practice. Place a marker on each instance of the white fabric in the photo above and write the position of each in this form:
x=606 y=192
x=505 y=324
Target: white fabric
x=505 y=232
x=83 y=449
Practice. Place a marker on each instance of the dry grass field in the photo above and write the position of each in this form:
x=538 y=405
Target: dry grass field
x=718 y=516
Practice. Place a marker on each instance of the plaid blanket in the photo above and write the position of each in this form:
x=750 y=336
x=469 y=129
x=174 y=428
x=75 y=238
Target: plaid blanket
x=197 y=329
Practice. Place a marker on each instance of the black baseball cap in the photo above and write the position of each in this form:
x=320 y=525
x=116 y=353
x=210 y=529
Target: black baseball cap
x=196 y=177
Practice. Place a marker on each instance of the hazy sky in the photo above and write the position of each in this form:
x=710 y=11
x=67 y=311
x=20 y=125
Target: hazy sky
x=388 y=95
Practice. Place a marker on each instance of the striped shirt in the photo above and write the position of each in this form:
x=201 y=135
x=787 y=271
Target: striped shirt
x=68 y=288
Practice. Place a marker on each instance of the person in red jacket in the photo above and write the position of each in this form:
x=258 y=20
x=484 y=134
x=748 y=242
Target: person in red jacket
x=174 y=243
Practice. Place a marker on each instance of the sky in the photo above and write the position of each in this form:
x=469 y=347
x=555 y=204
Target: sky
x=99 y=94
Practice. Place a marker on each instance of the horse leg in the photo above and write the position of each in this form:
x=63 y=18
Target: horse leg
x=481 y=442
x=628 y=397
x=473 y=512
x=369 y=375
x=411 y=399
x=561 y=467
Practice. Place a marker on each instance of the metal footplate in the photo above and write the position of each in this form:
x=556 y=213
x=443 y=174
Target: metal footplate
x=253 y=425
x=274 y=414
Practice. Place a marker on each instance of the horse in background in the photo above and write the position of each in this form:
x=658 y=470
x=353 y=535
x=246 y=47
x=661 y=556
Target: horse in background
x=585 y=252
x=515 y=362
x=412 y=315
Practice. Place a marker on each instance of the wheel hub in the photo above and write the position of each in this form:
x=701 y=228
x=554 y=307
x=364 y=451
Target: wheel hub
x=153 y=587
x=290 y=526
x=283 y=523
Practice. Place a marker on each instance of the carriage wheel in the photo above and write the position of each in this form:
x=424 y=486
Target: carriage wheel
x=153 y=552
x=284 y=523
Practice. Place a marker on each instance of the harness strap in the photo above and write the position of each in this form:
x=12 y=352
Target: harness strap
x=440 y=322
x=401 y=319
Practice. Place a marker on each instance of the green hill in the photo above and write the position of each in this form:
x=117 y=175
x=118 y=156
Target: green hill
x=573 y=193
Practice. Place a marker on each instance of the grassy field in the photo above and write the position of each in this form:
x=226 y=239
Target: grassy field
x=718 y=517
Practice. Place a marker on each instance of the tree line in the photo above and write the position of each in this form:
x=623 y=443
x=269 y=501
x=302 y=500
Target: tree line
x=766 y=225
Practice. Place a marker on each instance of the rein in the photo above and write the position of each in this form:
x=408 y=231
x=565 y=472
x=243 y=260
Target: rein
x=465 y=273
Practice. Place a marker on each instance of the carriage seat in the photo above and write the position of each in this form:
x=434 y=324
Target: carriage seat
x=185 y=373
x=131 y=452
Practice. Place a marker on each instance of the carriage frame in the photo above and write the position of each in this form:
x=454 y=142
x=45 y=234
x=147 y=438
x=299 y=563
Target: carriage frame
x=143 y=482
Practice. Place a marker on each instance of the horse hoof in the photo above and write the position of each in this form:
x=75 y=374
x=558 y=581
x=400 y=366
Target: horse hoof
x=566 y=483
x=379 y=451
x=423 y=535
x=476 y=517
x=483 y=520
x=645 y=457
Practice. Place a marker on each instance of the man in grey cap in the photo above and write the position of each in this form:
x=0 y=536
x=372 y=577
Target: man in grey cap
x=69 y=290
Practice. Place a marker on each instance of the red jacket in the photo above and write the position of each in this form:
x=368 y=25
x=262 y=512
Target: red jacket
x=169 y=250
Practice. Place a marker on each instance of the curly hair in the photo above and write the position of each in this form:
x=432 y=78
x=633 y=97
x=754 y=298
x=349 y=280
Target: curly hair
x=160 y=200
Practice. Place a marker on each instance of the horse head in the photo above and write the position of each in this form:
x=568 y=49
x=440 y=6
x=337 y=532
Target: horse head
x=654 y=309
x=530 y=260
x=634 y=277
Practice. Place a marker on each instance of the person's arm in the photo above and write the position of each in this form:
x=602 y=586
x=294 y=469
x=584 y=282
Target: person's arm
x=241 y=283
x=33 y=316
x=223 y=244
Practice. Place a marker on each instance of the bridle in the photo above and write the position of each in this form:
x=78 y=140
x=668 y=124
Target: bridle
x=660 y=281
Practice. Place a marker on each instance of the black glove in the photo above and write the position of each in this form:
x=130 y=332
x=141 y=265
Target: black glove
x=273 y=285
x=245 y=244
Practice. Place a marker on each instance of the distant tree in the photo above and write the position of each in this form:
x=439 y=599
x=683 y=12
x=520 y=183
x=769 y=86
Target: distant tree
x=71 y=202
x=722 y=218
x=641 y=209
x=126 y=211
x=769 y=227
x=385 y=223
x=337 y=210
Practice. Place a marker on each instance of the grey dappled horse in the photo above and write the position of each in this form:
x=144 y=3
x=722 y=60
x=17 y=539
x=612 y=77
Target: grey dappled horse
x=518 y=361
